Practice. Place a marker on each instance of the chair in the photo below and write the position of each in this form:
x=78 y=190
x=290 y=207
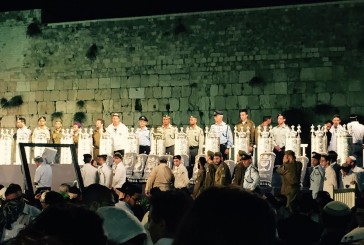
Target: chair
x=345 y=195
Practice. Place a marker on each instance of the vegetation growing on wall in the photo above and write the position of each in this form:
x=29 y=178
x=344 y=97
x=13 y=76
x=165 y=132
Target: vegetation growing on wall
x=13 y=102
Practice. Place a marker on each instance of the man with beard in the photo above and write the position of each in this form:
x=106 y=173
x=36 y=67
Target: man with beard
x=222 y=175
x=290 y=172
x=195 y=140
x=239 y=170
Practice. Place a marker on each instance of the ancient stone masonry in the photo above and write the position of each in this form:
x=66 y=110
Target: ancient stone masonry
x=268 y=60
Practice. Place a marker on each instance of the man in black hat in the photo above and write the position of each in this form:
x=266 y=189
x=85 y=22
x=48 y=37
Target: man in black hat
x=317 y=175
x=356 y=130
x=251 y=176
x=290 y=172
x=88 y=172
x=224 y=131
x=239 y=170
x=143 y=135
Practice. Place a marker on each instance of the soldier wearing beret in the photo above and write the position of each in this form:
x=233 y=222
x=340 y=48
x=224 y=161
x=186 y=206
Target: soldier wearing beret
x=251 y=176
x=210 y=170
x=168 y=134
x=143 y=135
x=224 y=131
x=317 y=175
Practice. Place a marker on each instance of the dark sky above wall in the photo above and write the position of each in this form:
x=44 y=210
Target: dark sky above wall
x=63 y=11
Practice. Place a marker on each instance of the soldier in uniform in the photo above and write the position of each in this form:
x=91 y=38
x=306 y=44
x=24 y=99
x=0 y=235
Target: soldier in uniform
x=251 y=176
x=100 y=129
x=143 y=135
x=222 y=174
x=76 y=131
x=168 y=134
x=317 y=175
x=224 y=131
x=290 y=172
x=239 y=170
x=57 y=135
x=210 y=171
x=160 y=177
x=245 y=124
x=279 y=134
x=201 y=174
x=330 y=180
x=195 y=139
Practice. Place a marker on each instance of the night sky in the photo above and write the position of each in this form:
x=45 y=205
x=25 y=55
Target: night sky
x=63 y=11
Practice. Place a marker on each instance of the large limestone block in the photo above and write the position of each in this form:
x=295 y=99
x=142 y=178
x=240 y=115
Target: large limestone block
x=22 y=86
x=246 y=76
x=92 y=83
x=88 y=94
x=136 y=93
x=93 y=106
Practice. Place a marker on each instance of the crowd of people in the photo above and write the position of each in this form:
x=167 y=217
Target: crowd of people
x=220 y=207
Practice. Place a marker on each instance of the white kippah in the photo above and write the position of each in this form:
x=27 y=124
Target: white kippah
x=352 y=158
x=337 y=208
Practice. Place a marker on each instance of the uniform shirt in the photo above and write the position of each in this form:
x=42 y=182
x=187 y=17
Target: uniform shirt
x=330 y=179
x=291 y=176
x=168 y=134
x=317 y=180
x=180 y=174
x=41 y=133
x=89 y=174
x=75 y=139
x=251 y=178
x=143 y=135
x=57 y=136
x=43 y=175
x=23 y=134
x=119 y=177
x=243 y=127
x=238 y=175
x=210 y=175
x=222 y=175
x=225 y=134
x=105 y=175
x=347 y=179
x=279 y=134
x=198 y=188
x=356 y=130
x=160 y=177
x=334 y=131
x=119 y=135
x=195 y=137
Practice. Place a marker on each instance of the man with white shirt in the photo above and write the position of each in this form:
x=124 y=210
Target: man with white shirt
x=88 y=172
x=334 y=130
x=119 y=133
x=23 y=134
x=143 y=134
x=105 y=172
x=42 y=176
x=356 y=130
x=180 y=174
x=119 y=171
x=279 y=134
x=223 y=130
x=330 y=180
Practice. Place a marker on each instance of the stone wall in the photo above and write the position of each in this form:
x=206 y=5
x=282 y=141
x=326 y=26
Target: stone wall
x=305 y=60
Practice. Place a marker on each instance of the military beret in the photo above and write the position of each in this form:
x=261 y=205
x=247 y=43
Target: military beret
x=290 y=152
x=118 y=154
x=143 y=118
x=38 y=159
x=218 y=113
x=177 y=157
x=244 y=155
